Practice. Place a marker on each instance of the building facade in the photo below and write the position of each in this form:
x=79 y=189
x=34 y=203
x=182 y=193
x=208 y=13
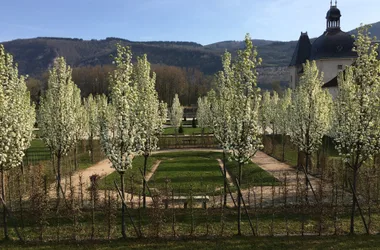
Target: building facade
x=332 y=52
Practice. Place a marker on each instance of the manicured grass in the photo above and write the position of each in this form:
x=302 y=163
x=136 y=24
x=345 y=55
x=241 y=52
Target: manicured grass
x=187 y=122
x=291 y=154
x=280 y=243
x=37 y=152
x=252 y=175
x=185 y=171
x=132 y=176
x=186 y=131
x=180 y=171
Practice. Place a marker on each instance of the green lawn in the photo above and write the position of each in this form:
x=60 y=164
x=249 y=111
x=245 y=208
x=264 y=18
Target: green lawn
x=180 y=171
x=132 y=176
x=280 y=243
x=252 y=175
x=186 y=131
x=187 y=122
x=185 y=171
x=38 y=153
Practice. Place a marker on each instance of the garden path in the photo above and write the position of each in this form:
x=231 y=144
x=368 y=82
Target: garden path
x=152 y=170
x=229 y=178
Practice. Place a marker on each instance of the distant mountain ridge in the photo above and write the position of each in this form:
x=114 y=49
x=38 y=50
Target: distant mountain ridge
x=34 y=56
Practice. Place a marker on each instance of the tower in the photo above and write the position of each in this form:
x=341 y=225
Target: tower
x=333 y=17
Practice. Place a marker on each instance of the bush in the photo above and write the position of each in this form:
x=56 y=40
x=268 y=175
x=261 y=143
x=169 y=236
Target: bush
x=194 y=123
x=180 y=130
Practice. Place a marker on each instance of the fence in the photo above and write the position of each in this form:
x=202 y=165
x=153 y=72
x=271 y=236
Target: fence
x=187 y=141
x=89 y=213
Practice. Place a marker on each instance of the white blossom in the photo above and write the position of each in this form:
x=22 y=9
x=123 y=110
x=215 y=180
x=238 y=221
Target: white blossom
x=311 y=111
x=203 y=113
x=119 y=120
x=283 y=112
x=356 y=127
x=17 y=115
x=176 y=113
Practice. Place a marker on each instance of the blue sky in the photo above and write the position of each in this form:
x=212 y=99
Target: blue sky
x=202 y=21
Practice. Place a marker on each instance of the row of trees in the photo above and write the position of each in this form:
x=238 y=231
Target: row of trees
x=127 y=123
x=238 y=114
x=352 y=120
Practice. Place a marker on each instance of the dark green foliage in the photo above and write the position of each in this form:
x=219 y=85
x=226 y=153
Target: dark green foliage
x=194 y=123
x=180 y=130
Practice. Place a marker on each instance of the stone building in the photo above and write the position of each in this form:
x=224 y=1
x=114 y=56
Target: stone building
x=332 y=52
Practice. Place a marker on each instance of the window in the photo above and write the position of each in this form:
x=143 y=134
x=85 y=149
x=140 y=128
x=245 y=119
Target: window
x=340 y=67
x=291 y=79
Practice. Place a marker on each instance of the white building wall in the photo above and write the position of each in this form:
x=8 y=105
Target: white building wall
x=293 y=76
x=329 y=67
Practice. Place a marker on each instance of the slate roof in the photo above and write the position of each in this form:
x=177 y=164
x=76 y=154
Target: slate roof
x=302 y=50
x=332 y=83
x=333 y=13
x=333 y=43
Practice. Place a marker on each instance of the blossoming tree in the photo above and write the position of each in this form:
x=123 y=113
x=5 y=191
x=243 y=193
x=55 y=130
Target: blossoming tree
x=176 y=114
x=58 y=114
x=17 y=117
x=119 y=121
x=151 y=112
x=244 y=124
x=93 y=106
x=282 y=119
x=311 y=112
x=357 y=120
x=265 y=111
x=220 y=111
x=203 y=113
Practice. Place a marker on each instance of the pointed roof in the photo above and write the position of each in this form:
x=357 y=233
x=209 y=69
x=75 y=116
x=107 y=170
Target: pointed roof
x=302 y=50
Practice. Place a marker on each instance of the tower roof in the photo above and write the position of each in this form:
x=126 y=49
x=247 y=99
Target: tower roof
x=333 y=14
x=302 y=50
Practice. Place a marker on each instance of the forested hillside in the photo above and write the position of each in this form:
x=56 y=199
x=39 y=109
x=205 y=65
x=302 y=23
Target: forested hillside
x=191 y=64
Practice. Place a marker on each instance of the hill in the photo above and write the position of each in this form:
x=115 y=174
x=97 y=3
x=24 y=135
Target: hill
x=35 y=56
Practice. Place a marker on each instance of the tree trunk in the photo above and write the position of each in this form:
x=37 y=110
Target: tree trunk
x=122 y=206
x=273 y=140
x=58 y=175
x=352 y=226
x=92 y=210
x=75 y=156
x=283 y=147
x=144 y=181
x=306 y=173
x=176 y=136
x=203 y=136
x=92 y=148
x=53 y=161
x=239 y=198
x=225 y=179
x=6 y=236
